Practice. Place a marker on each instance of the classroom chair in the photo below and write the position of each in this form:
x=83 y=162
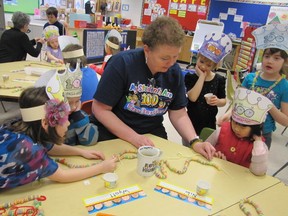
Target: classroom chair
x=86 y=106
x=205 y=133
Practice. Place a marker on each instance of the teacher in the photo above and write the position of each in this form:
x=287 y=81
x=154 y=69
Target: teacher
x=15 y=44
x=139 y=86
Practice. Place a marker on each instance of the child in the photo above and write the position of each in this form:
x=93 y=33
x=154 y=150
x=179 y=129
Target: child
x=112 y=47
x=52 y=14
x=270 y=80
x=240 y=140
x=25 y=144
x=89 y=79
x=80 y=131
x=53 y=51
x=203 y=112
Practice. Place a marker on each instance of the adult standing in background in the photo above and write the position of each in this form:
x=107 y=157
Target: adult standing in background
x=15 y=43
x=139 y=86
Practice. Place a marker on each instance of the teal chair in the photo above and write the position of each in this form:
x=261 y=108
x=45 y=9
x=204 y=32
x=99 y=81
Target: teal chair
x=205 y=133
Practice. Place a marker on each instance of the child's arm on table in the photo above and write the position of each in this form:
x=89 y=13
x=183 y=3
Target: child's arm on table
x=72 y=175
x=66 y=150
x=53 y=58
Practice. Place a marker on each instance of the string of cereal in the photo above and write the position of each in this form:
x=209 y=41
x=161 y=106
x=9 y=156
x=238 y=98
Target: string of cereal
x=12 y=208
x=250 y=202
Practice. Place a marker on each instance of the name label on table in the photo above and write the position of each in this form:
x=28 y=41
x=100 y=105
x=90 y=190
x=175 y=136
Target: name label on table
x=114 y=198
x=184 y=195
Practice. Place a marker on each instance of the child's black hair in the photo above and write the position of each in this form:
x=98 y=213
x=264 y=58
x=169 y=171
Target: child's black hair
x=255 y=129
x=52 y=11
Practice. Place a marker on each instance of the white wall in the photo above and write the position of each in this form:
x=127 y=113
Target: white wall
x=135 y=11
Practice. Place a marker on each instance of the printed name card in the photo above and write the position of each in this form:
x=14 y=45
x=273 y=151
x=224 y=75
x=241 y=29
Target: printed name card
x=184 y=195
x=112 y=199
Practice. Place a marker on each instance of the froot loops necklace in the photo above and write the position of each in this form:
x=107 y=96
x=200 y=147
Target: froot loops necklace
x=160 y=171
x=270 y=88
x=246 y=212
x=12 y=208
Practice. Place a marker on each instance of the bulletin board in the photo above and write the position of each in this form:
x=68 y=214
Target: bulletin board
x=186 y=12
x=25 y=6
x=236 y=16
x=94 y=44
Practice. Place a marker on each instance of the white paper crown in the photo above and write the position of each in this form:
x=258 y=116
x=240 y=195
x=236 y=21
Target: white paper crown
x=72 y=81
x=272 y=36
x=216 y=46
x=51 y=32
x=250 y=107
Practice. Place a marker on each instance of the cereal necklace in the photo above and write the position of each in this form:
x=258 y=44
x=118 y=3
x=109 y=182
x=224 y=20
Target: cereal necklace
x=9 y=209
x=160 y=171
x=270 y=88
x=162 y=174
x=246 y=212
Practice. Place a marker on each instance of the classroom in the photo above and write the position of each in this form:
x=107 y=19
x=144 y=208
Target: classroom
x=104 y=111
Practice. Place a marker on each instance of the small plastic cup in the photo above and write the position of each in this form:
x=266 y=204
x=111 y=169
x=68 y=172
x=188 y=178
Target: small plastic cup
x=208 y=96
x=202 y=187
x=110 y=180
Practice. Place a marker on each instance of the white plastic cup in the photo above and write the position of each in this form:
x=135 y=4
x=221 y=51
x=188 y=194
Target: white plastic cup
x=110 y=180
x=148 y=156
x=202 y=187
x=208 y=97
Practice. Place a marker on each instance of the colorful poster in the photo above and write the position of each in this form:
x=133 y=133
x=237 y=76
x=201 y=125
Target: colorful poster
x=277 y=15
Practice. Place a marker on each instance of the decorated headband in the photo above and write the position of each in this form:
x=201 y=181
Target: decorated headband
x=55 y=110
x=113 y=33
x=272 y=36
x=216 y=46
x=51 y=32
x=64 y=41
x=250 y=107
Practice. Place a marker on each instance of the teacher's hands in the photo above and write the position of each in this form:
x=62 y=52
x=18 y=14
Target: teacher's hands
x=205 y=149
x=141 y=140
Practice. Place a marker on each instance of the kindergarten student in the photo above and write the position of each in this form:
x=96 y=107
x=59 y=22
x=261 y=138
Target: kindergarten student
x=113 y=40
x=53 y=51
x=52 y=15
x=26 y=144
x=201 y=111
x=240 y=140
x=89 y=77
x=270 y=80
x=80 y=131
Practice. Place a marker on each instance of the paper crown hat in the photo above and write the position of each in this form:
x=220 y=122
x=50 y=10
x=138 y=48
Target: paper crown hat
x=72 y=81
x=216 y=46
x=113 y=33
x=272 y=36
x=51 y=32
x=64 y=41
x=54 y=90
x=250 y=107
